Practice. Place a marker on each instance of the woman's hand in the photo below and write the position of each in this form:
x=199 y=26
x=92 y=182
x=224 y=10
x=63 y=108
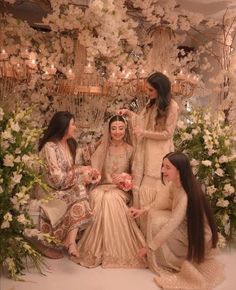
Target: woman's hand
x=122 y=112
x=143 y=252
x=135 y=212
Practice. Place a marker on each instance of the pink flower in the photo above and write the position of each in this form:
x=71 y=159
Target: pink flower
x=126 y=184
x=91 y=176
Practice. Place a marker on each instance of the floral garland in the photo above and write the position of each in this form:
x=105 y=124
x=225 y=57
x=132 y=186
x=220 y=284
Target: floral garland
x=18 y=176
x=208 y=142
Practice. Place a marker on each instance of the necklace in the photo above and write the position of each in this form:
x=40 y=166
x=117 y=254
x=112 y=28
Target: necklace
x=117 y=144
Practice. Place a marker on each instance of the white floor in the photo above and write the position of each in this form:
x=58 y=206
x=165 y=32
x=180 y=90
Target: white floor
x=64 y=274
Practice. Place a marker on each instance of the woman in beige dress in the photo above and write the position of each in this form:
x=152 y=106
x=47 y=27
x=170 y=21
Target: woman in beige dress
x=153 y=131
x=182 y=239
x=114 y=238
x=69 y=211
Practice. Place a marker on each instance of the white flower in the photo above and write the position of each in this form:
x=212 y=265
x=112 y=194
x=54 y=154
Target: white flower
x=8 y=160
x=221 y=241
x=5 y=144
x=194 y=162
x=7 y=135
x=222 y=202
x=21 y=219
x=195 y=131
x=223 y=159
x=16 y=178
x=6 y=221
x=181 y=125
x=186 y=136
x=207 y=163
x=211 y=151
x=15 y=127
x=219 y=172
x=228 y=189
x=227 y=142
x=211 y=189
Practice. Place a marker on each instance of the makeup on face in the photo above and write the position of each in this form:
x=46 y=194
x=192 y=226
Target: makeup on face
x=117 y=130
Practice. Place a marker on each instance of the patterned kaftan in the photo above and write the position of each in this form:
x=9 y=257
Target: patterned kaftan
x=113 y=239
x=66 y=186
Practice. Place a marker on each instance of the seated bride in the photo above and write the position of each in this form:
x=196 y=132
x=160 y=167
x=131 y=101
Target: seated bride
x=113 y=239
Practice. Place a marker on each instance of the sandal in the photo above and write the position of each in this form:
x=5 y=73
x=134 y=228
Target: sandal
x=72 y=250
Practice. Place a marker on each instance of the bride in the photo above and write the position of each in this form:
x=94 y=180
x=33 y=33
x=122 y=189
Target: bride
x=113 y=239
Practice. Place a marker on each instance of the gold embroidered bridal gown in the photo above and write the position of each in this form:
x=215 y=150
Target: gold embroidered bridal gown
x=113 y=239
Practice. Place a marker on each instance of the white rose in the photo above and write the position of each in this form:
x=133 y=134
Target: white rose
x=194 y=162
x=211 y=189
x=207 y=163
x=6 y=135
x=228 y=189
x=223 y=159
x=219 y=172
x=5 y=225
x=5 y=144
x=195 y=131
x=21 y=219
x=222 y=203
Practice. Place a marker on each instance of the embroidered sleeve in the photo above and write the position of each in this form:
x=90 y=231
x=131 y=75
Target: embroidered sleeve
x=58 y=177
x=170 y=126
x=177 y=217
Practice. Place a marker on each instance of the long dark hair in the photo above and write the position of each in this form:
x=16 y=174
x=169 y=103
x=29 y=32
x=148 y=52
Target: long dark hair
x=162 y=85
x=198 y=207
x=57 y=129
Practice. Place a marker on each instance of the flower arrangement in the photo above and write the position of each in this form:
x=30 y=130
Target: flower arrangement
x=125 y=182
x=18 y=175
x=208 y=142
x=90 y=175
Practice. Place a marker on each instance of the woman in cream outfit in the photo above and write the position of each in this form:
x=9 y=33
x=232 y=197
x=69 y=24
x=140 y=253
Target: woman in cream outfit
x=153 y=133
x=114 y=238
x=181 y=241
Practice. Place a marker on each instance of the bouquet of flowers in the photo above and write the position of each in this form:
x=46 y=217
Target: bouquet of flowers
x=125 y=182
x=208 y=141
x=90 y=175
x=18 y=175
